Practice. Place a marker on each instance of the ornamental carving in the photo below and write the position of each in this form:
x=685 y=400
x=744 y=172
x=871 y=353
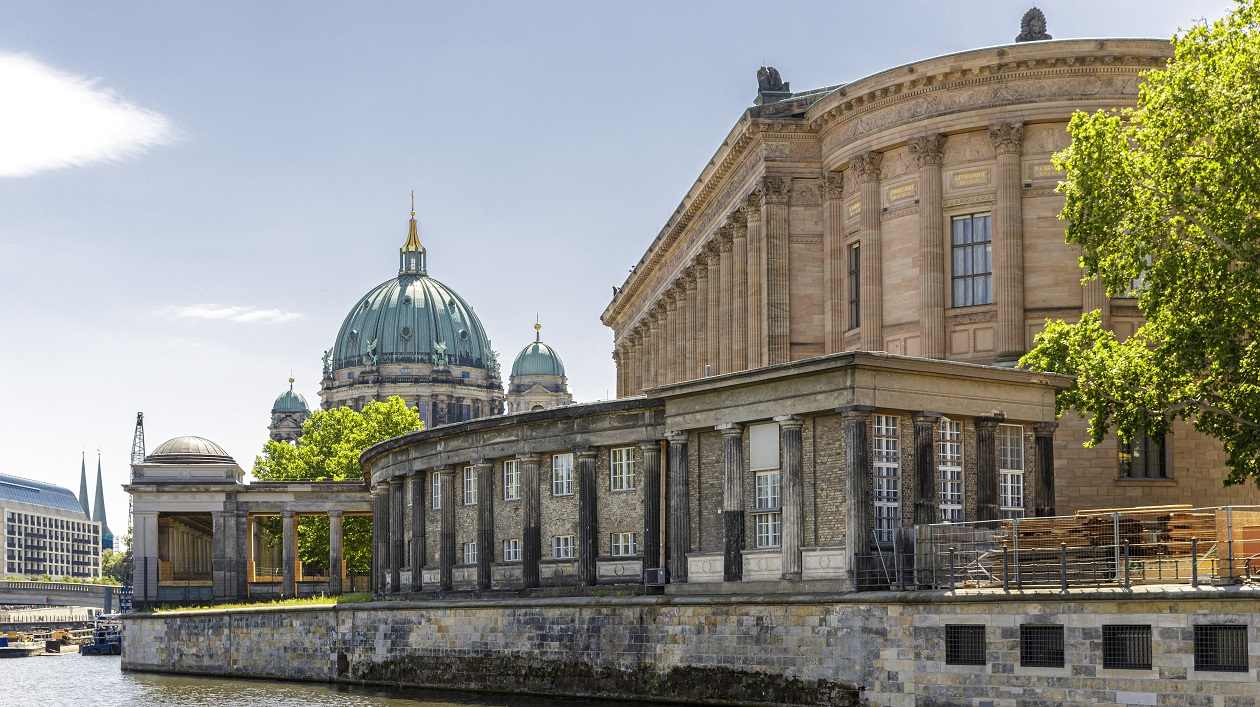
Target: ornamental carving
x=866 y=166
x=833 y=186
x=1032 y=26
x=927 y=150
x=752 y=203
x=776 y=189
x=1007 y=137
x=738 y=221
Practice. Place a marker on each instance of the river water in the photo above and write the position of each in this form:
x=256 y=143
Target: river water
x=78 y=681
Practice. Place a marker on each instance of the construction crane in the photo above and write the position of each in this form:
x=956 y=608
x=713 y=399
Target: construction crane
x=137 y=457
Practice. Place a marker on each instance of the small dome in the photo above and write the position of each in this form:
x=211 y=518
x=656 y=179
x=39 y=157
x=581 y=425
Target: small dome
x=189 y=449
x=537 y=359
x=290 y=401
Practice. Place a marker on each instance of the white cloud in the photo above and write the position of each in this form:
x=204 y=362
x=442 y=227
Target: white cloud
x=231 y=313
x=52 y=119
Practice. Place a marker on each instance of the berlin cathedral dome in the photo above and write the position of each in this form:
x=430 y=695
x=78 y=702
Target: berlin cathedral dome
x=414 y=337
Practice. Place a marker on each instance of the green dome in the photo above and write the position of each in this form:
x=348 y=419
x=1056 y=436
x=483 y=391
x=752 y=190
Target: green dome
x=411 y=318
x=537 y=359
x=289 y=401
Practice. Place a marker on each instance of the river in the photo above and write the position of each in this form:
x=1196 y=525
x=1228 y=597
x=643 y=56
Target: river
x=79 y=681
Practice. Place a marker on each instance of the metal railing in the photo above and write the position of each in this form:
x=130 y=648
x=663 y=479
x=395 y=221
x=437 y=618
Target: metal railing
x=1166 y=545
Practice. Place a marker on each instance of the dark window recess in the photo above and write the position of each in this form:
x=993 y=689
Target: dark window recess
x=1220 y=648
x=855 y=286
x=972 y=271
x=1127 y=646
x=1040 y=646
x=1143 y=458
x=964 y=644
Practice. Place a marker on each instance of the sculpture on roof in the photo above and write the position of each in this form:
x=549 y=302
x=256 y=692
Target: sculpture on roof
x=1032 y=27
x=768 y=80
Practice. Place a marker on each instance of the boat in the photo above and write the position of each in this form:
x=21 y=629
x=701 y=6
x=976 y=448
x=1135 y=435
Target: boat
x=106 y=637
x=19 y=645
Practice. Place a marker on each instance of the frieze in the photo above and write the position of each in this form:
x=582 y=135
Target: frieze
x=1043 y=190
x=900 y=192
x=969 y=178
x=967 y=200
x=805 y=192
x=963 y=317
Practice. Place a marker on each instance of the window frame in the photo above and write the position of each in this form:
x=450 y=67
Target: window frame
x=950 y=465
x=1010 y=477
x=969 y=278
x=627 y=542
x=470 y=486
x=886 y=463
x=511 y=550
x=1127 y=637
x=511 y=480
x=564 y=482
x=957 y=652
x=557 y=543
x=435 y=487
x=1216 y=634
x=854 y=271
x=471 y=544
x=1155 y=454
x=1041 y=646
x=623 y=471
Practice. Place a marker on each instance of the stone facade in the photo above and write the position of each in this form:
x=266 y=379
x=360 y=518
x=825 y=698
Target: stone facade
x=841 y=204
x=881 y=650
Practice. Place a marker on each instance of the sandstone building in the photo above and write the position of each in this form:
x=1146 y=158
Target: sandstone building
x=913 y=212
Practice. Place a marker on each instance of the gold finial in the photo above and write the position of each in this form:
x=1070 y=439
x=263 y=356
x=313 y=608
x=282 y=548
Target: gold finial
x=413 y=234
x=537 y=328
x=413 y=203
x=290 y=381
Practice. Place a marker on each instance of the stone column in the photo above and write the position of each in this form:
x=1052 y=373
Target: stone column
x=288 y=554
x=382 y=546
x=1043 y=438
x=446 y=539
x=484 y=472
x=700 y=314
x=531 y=501
x=418 y=538
x=927 y=151
x=1008 y=240
x=925 y=498
x=792 y=495
x=726 y=261
x=144 y=533
x=650 y=453
x=679 y=539
x=588 y=515
x=833 y=261
x=242 y=549
x=636 y=363
x=674 y=364
x=374 y=578
x=645 y=357
x=757 y=355
x=396 y=540
x=618 y=357
x=778 y=334
x=713 y=315
x=1094 y=296
x=662 y=344
x=653 y=338
x=334 y=552
x=858 y=466
x=739 y=290
x=687 y=330
x=732 y=501
x=218 y=554
x=986 y=469
x=867 y=166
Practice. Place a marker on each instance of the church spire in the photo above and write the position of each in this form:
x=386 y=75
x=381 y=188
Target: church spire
x=83 y=494
x=412 y=256
x=98 y=512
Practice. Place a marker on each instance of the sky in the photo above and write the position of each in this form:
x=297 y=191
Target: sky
x=193 y=195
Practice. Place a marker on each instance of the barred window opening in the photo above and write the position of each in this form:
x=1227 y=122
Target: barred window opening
x=1127 y=646
x=1221 y=648
x=964 y=644
x=1041 y=646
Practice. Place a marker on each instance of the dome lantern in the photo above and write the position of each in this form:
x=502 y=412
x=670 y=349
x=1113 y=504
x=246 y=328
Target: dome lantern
x=412 y=257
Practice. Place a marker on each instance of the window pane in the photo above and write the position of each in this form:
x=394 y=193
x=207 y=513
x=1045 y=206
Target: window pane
x=763 y=445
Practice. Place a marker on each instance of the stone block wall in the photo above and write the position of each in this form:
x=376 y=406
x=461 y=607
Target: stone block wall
x=883 y=649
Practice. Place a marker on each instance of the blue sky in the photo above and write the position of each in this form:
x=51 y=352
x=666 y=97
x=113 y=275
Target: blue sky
x=251 y=165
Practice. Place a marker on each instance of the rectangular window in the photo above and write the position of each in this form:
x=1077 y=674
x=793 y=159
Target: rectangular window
x=887 y=478
x=855 y=286
x=562 y=475
x=1040 y=646
x=470 y=486
x=512 y=550
x=470 y=553
x=1127 y=646
x=437 y=491
x=563 y=547
x=621 y=469
x=1221 y=648
x=768 y=518
x=511 y=481
x=972 y=271
x=964 y=644
x=769 y=528
x=763 y=446
x=623 y=544
x=949 y=465
x=1143 y=458
x=1010 y=458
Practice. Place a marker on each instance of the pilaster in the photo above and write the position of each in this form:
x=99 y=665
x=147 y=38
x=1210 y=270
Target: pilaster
x=1008 y=241
x=726 y=303
x=679 y=538
x=700 y=313
x=1043 y=439
x=588 y=515
x=833 y=261
x=446 y=556
x=687 y=314
x=925 y=497
x=713 y=315
x=778 y=334
x=288 y=554
x=793 y=530
x=871 y=287
x=732 y=501
x=484 y=471
x=395 y=534
x=757 y=355
x=739 y=290
x=857 y=456
x=531 y=549
x=334 y=552
x=927 y=151
x=986 y=468
x=650 y=453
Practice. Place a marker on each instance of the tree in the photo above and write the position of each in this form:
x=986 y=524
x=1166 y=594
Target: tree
x=1164 y=200
x=116 y=566
x=329 y=450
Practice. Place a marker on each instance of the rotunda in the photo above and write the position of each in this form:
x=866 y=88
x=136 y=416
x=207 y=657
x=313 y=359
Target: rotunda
x=414 y=337
x=538 y=381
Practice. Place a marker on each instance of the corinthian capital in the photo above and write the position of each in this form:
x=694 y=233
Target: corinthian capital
x=738 y=221
x=866 y=165
x=776 y=189
x=1007 y=137
x=928 y=149
x=753 y=203
x=833 y=186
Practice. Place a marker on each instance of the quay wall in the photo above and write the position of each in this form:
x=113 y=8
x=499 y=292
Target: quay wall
x=887 y=649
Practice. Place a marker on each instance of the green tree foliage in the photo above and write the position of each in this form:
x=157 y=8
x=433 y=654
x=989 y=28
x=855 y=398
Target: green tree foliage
x=1164 y=199
x=329 y=450
x=116 y=566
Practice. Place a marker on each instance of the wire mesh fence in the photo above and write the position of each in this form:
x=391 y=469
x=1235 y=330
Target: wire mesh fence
x=1160 y=545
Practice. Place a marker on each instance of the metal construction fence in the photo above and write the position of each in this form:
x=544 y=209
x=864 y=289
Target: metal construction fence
x=1107 y=547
